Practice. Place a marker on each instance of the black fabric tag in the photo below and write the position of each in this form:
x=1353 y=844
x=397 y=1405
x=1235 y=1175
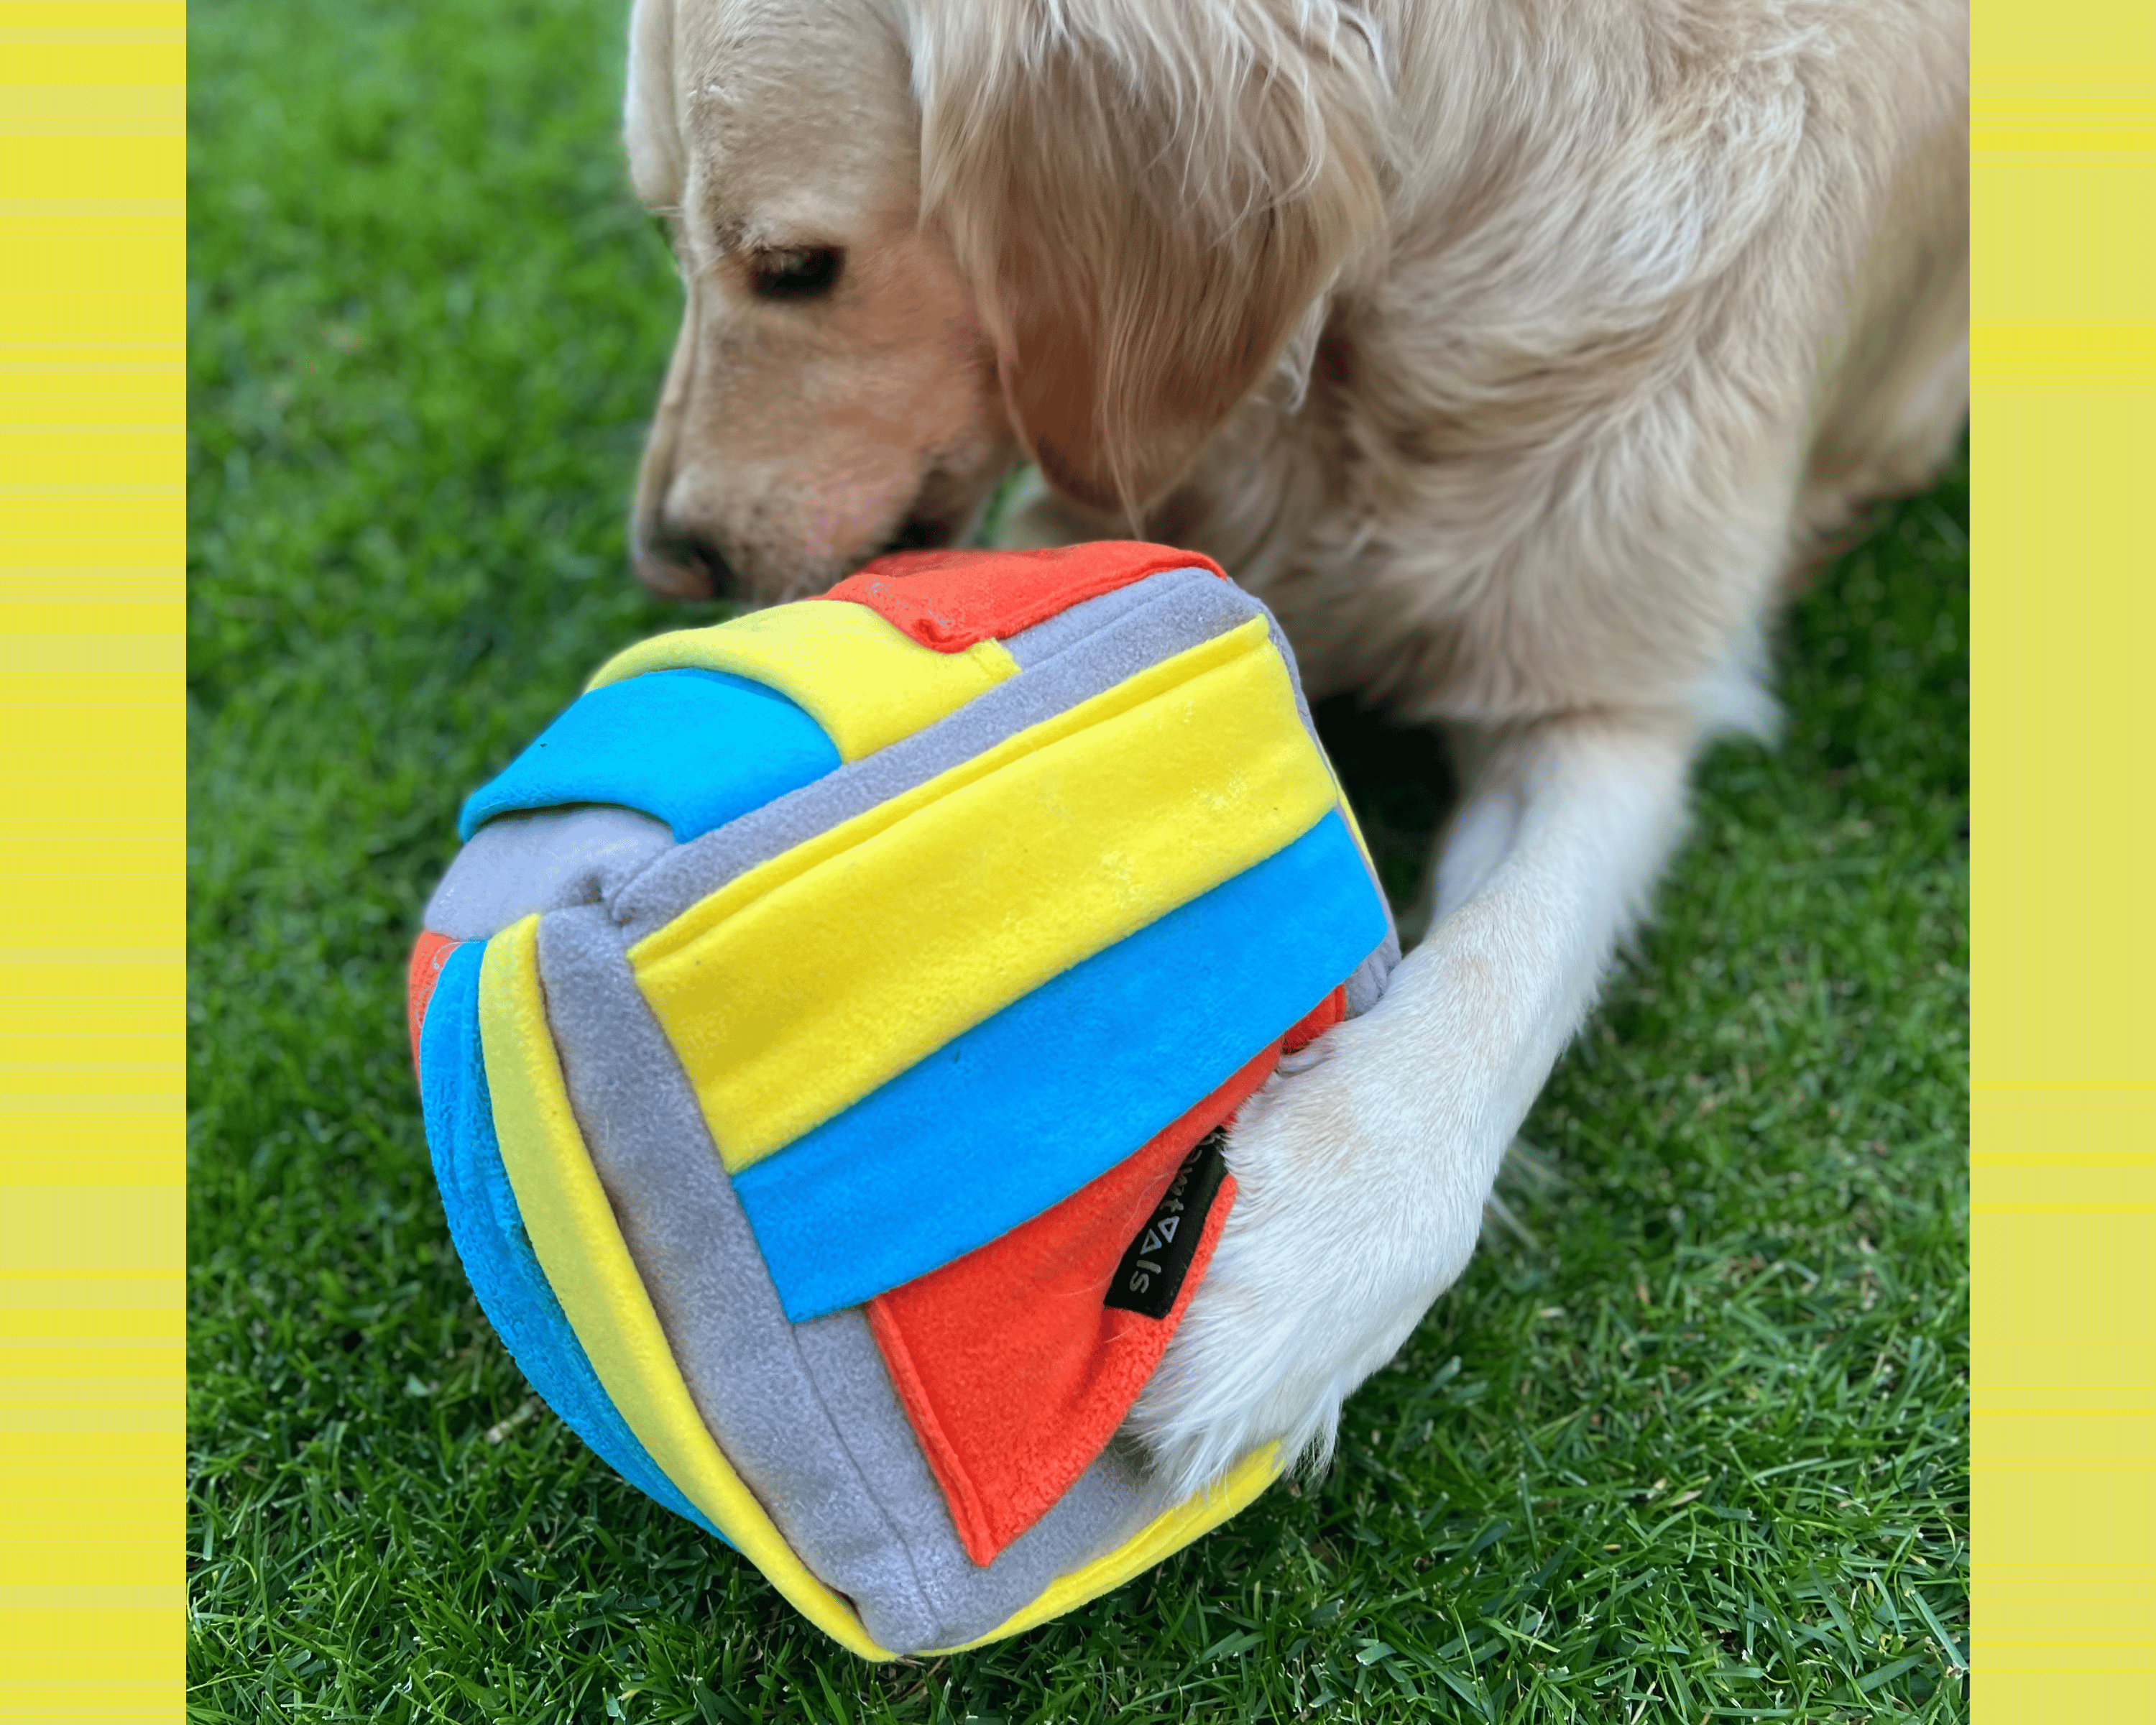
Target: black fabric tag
x=1151 y=1272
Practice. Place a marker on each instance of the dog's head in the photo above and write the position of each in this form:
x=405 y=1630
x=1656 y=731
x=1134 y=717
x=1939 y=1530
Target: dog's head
x=923 y=238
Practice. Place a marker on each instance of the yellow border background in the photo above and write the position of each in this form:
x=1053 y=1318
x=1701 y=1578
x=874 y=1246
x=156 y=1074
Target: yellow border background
x=92 y=1092
x=2065 y=671
x=92 y=125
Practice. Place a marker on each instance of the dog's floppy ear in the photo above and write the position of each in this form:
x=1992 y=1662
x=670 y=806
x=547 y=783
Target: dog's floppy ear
x=651 y=123
x=1146 y=197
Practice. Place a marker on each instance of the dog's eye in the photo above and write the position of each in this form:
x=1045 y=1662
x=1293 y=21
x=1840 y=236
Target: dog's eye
x=802 y=272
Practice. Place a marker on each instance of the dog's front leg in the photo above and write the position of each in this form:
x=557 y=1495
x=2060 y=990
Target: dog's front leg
x=1364 y=1173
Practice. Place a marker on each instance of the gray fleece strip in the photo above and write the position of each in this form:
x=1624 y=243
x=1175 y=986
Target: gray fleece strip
x=1366 y=986
x=1180 y=617
x=805 y=1413
x=1069 y=628
x=541 y=861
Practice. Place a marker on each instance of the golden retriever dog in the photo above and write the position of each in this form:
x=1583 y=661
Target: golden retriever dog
x=1517 y=352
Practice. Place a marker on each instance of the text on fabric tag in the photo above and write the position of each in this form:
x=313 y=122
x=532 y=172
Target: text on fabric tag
x=1151 y=1274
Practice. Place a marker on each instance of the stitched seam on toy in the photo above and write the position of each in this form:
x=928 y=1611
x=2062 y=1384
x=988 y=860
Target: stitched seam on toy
x=919 y=1407
x=931 y=1601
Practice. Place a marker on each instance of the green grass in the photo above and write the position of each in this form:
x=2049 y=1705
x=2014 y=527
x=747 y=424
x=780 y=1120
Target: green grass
x=1691 y=1442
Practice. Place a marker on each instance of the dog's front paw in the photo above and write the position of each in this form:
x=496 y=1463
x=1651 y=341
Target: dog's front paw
x=1360 y=1187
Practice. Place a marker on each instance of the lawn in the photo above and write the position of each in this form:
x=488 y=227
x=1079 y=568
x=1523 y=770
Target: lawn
x=1688 y=1441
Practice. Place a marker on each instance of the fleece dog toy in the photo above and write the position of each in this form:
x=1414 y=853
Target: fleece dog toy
x=825 y=1036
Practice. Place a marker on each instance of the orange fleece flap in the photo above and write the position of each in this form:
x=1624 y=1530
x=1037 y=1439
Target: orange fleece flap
x=951 y=599
x=1013 y=1371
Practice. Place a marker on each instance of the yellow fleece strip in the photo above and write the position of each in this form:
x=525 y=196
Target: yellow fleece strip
x=1354 y=826
x=1196 y=1515
x=865 y=682
x=587 y=1265
x=799 y=987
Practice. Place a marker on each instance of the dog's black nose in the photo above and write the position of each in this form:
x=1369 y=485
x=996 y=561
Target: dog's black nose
x=680 y=563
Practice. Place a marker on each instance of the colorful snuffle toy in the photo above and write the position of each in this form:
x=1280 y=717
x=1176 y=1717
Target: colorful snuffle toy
x=826 y=1036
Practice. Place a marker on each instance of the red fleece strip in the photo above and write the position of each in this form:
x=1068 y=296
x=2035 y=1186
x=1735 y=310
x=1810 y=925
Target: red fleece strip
x=1013 y=1373
x=429 y=953
x=1322 y=1018
x=950 y=599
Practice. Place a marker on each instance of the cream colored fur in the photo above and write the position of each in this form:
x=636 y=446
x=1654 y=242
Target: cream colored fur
x=1518 y=352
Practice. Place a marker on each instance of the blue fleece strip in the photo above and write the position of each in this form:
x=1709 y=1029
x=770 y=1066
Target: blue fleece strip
x=1021 y=1111
x=489 y=1232
x=693 y=748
